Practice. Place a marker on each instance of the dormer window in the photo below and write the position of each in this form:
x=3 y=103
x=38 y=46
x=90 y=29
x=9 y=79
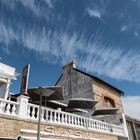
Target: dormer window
x=109 y=102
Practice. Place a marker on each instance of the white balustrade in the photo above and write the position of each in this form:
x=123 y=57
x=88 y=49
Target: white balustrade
x=59 y=117
x=8 y=107
x=68 y=119
x=32 y=111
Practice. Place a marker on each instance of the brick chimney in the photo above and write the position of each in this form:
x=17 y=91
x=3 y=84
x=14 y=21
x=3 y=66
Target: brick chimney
x=71 y=64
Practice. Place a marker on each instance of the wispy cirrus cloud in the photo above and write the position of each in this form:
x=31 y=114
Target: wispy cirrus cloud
x=41 y=8
x=131 y=105
x=91 y=53
x=136 y=33
x=124 y=28
x=97 y=9
x=95 y=56
x=93 y=13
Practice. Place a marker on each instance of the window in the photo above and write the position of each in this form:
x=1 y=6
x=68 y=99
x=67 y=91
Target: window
x=109 y=102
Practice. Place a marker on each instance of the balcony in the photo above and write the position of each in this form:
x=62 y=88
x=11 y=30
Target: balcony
x=25 y=110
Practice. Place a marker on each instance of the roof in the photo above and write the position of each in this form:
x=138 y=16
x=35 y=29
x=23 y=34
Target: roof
x=132 y=119
x=97 y=78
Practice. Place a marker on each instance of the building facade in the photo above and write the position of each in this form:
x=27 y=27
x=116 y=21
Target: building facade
x=133 y=126
x=7 y=73
x=91 y=110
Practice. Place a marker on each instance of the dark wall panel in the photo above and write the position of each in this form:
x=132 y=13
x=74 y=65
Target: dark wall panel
x=76 y=84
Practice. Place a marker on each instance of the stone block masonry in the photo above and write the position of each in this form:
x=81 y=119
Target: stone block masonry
x=12 y=127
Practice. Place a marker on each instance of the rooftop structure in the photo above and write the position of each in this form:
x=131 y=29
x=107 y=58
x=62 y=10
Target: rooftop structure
x=7 y=73
x=80 y=106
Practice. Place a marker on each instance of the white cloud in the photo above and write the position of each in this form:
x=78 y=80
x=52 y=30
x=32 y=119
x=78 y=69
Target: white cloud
x=93 y=54
x=124 y=28
x=32 y=5
x=136 y=33
x=94 y=13
x=132 y=105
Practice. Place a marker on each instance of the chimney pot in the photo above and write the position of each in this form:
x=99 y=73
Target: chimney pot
x=71 y=64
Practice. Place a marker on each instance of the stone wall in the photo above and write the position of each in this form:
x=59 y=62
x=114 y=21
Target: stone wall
x=12 y=127
x=102 y=90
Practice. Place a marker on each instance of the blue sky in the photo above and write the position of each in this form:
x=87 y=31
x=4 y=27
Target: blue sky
x=102 y=36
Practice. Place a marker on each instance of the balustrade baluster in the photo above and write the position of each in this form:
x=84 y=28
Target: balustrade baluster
x=13 y=110
x=51 y=116
x=84 y=122
x=69 y=119
x=37 y=113
x=72 y=121
x=55 y=120
x=98 y=125
x=58 y=117
x=91 y=123
x=33 y=113
x=8 y=109
x=80 y=122
x=66 y=118
x=28 y=112
x=1 y=107
x=62 y=118
x=46 y=114
x=42 y=114
x=87 y=122
x=77 y=120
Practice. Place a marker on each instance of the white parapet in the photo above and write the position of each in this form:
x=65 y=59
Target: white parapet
x=8 y=107
x=23 y=109
x=7 y=73
x=59 y=117
x=23 y=104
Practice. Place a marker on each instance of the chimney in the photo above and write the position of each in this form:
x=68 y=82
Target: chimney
x=71 y=64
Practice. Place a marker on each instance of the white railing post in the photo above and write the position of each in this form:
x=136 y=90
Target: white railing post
x=125 y=126
x=23 y=104
x=1 y=107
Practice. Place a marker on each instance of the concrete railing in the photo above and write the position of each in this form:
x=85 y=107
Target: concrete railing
x=8 y=107
x=25 y=110
x=71 y=120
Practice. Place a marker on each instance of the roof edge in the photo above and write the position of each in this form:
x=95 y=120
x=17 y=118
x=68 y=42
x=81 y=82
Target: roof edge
x=92 y=76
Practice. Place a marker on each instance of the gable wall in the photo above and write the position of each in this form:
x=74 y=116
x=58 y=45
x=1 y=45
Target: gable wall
x=76 y=84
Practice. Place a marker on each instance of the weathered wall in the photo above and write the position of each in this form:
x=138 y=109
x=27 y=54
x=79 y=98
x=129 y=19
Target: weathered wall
x=133 y=126
x=101 y=90
x=11 y=127
x=76 y=84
